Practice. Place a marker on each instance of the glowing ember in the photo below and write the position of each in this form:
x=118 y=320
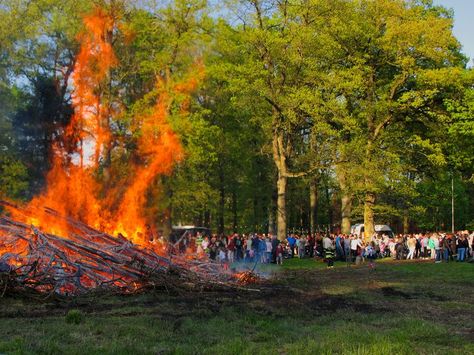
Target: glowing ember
x=247 y=277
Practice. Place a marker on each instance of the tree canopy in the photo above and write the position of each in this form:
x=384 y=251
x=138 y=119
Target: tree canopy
x=294 y=115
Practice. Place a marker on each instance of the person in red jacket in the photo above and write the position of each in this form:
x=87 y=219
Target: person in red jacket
x=279 y=254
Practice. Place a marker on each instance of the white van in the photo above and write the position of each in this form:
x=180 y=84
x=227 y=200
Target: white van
x=358 y=229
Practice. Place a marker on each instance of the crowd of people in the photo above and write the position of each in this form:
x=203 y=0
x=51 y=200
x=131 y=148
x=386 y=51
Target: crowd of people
x=262 y=248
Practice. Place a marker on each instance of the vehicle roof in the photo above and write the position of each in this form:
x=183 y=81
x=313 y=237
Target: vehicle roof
x=378 y=227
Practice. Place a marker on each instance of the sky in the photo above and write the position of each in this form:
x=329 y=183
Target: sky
x=463 y=23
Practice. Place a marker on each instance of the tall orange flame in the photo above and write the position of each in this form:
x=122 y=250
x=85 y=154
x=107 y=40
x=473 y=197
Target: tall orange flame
x=72 y=186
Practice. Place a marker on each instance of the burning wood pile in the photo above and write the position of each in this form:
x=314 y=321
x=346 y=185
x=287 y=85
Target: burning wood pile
x=87 y=259
x=56 y=251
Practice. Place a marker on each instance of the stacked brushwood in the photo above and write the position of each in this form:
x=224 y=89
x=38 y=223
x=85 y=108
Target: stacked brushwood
x=32 y=261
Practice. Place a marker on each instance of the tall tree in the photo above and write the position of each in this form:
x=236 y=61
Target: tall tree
x=396 y=52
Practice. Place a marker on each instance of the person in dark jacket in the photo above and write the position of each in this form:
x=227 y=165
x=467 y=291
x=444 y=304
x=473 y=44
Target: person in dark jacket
x=463 y=245
x=275 y=243
x=445 y=245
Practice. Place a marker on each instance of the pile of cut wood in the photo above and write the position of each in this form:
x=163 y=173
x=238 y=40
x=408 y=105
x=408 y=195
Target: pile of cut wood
x=34 y=261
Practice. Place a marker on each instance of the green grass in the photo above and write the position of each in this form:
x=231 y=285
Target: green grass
x=401 y=308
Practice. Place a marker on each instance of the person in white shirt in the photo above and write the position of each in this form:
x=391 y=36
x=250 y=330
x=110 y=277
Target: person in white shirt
x=269 y=250
x=355 y=244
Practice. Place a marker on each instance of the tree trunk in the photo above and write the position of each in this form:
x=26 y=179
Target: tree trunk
x=346 y=210
x=330 y=215
x=369 y=224
x=346 y=200
x=313 y=205
x=207 y=218
x=406 y=223
x=282 y=183
x=271 y=214
x=234 y=211
x=271 y=222
x=220 y=227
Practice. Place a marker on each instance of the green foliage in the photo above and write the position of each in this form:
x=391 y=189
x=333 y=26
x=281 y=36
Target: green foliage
x=360 y=96
x=74 y=316
x=13 y=177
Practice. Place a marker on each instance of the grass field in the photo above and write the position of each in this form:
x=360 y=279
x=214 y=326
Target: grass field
x=399 y=308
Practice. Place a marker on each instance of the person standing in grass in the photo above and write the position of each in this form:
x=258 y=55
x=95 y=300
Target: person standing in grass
x=268 y=250
x=329 y=250
x=301 y=242
x=424 y=245
x=339 y=247
x=445 y=245
x=275 y=243
x=438 y=248
x=262 y=250
x=470 y=243
x=371 y=254
x=356 y=244
x=411 y=242
x=418 y=246
x=432 y=246
x=279 y=254
x=291 y=243
x=231 y=250
x=347 y=247
x=463 y=244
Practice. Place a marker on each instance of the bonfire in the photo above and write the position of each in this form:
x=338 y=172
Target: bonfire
x=73 y=237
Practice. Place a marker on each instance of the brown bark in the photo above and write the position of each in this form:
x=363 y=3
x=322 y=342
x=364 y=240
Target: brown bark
x=346 y=200
x=369 y=224
x=346 y=210
x=406 y=223
x=313 y=204
x=234 y=211
x=282 y=183
x=221 y=223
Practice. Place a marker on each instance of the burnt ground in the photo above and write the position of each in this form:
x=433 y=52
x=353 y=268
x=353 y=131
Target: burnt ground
x=419 y=306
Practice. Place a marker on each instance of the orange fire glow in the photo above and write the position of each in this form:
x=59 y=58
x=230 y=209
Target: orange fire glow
x=72 y=187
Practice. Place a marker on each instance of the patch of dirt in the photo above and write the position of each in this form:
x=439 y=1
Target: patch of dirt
x=392 y=292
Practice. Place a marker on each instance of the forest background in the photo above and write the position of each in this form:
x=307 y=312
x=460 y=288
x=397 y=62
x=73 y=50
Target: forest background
x=307 y=115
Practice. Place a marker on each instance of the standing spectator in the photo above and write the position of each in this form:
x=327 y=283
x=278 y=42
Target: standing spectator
x=432 y=246
x=268 y=251
x=291 y=243
x=424 y=245
x=329 y=248
x=248 y=249
x=213 y=248
x=205 y=245
x=311 y=243
x=418 y=246
x=279 y=254
x=471 y=245
x=411 y=247
x=231 y=250
x=452 y=246
x=371 y=254
x=301 y=247
x=339 y=247
x=356 y=244
x=463 y=245
x=199 y=240
x=239 y=251
x=275 y=243
x=347 y=247
x=262 y=250
x=438 y=248
x=445 y=245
